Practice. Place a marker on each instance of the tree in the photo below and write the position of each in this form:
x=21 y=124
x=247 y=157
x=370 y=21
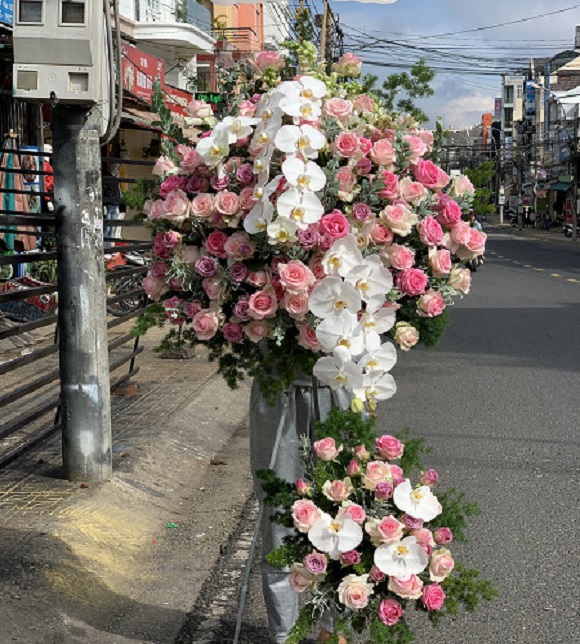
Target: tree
x=399 y=91
x=481 y=178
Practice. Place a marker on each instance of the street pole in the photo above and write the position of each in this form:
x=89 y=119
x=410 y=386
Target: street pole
x=323 y=34
x=84 y=362
x=574 y=153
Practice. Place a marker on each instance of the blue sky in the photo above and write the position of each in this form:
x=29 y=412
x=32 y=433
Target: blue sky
x=460 y=98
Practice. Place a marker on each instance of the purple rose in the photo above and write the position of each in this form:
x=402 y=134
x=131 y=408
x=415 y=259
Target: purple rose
x=442 y=536
x=245 y=174
x=315 y=563
x=218 y=183
x=325 y=241
x=206 y=266
x=173 y=182
x=233 y=332
x=350 y=558
x=241 y=310
x=197 y=183
x=363 y=167
x=412 y=523
x=191 y=309
x=361 y=211
x=384 y=490
x=238 y=272
x=158 y=270
x=308 y=238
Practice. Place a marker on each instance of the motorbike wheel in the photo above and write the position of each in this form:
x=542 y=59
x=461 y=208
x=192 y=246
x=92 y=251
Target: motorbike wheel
x=568 y=233
x=133 y=302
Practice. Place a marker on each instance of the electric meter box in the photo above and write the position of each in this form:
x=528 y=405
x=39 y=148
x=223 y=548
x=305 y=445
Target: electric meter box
x=59 y=50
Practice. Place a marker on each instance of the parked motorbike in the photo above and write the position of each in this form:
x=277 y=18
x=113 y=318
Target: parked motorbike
x=129 y=285
x=513 y=219
x=567 y=229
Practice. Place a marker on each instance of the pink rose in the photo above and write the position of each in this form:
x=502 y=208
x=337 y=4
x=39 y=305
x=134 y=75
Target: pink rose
x=338 y=108
x=215 y=243
x=354 y=591
x=412 y=192
x=315 y=563
x=334 y=224
x=380 y=235
x=355 y=512
x=258 y=278
x=366 y=145
x=433 y=597
x=239 y=246
x=173 y=182
x=389 y=447
x=163 y=166
x=263 y=304
x=247 y=201
x=202 y=205
x=449 y=212
x=337 y=491
x=442 y=536
x=346 y=181
x=269 y=59
x=353 y=468
x=296 y=304
x=171 y=239
x=302 y=487
x=390 y=612
x=431 y=304
x=213 y=287
x=346 y=144
x=197 y=183
x=247 y=108
x=190 y=159
x=245 y=175
x=400 y=257
x=430 y=175
x=399 y=219
x=411 y=522
x=241 y=310
x=406 y=335
x=238 y=271
x=307 y=337
x=412 y=282
x=227 y=203
x=460 y=232
x=155 y=288
x=176 y=205
x=411 y=588
x=390 y=530
x=424 y=538
x=326 y=449
x=430 y=477
x=460 y=279
x=417 y=148
x=440 y=263
x=158 y=270
x=257 y=330
x=350 y=558
x=364 y=103
x=199 y=109
x=233 y=332
x=206 y=266
x=299 y=578
x=361 y=453
x=295 y=276
x=427 y=137
x=474 y=246
x=376 y=471
x=391 y=183
x=383 y=153
x=205 y=324
x=440 y=565
x=348 y=65
x=396 y=473
x=304 y=514
x=430 y=231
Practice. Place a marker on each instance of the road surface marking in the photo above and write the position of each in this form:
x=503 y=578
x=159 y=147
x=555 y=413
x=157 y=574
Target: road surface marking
x=527 y=266
x=573 y=280
x=539 y=269
x=555 y=275
x=518 y=263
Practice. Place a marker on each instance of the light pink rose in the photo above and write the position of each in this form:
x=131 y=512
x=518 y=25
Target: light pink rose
x=417 y=148
x=295 y=276
x=355 y=512
x=460 y=232
x=163 y=166
x=326 y=449
x=406 y=335
x=460 y=279
x=431 y=304
x=390 y=612
x=176 y=205
x=389 y=447
x=461 y=186
x=440 y=263
x=227 y=203
x=364 y=103
x=263 y=304
x=346 y=144
x=257 y=278
x=411 y=588
x=412 y=192
x=383 y=153
x=430 y=231
x=239 y=246
x=376 y=471
x=247 y=108
x=199 y=109
x=440 y=565
x=155 y=288
x=300 y=579
x=247 y=201
x=449 y=212
x=412 y=282
x=202 y=205
x=304 y=514
x=353 y=468
x=442 y=536
x=205 y=324
x=399 y=257
x=213 y=288
x=391 y=185
x=266 y=59
x=361 y=453
x=474 y=246
x=427 y=137
x=346 y=181
x=187 y=254
x=157 y=209
x=302 y=487
x=389 y=529
x=307 y=337
x=354 y=591
x=348 y=65
x=430 y=175
x=296 y=304
x=424 y=538
x=430 y=477
x=257 y=330
x=337 y=491
x=338 y=108
x=399 y=219
x=433 y=597
x=190 y=159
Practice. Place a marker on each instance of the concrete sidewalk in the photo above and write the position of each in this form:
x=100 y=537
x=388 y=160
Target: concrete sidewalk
x=124 y=562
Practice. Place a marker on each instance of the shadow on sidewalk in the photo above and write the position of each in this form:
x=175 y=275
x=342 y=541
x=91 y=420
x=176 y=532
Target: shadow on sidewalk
x=48 y=597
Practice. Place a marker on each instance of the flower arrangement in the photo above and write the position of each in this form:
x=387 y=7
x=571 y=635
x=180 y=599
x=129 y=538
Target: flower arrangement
x=308 y=231
x=369 y=544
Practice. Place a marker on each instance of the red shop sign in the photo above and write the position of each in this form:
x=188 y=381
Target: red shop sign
x=177 y=99
x=140 y=70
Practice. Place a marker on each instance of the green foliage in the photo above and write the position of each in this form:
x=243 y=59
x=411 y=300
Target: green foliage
x=481 y=178
x=166 y=122
x=455 y=512
x=284 y=556
x=279 y=494
x=152 y=316
x=414 y=449
x=136 y=196
x=439 y=136
x=399 y=633
x=464 y=587
x=45 y=271
x=431 y=330
x=300 y=630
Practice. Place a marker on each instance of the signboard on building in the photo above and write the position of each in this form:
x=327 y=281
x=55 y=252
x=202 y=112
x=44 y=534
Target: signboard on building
x=140 y=70
x=530 y=101
x=7 y=12
x=508 y=142
x=498 y=104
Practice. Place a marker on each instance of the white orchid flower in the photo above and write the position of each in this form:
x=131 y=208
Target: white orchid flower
x=372 y=280
x=339 y=370
x=304 y=207
x=376 y=388
x=335 y=536
x=301 y=108
x=376 y=363
x=261 y=165
x=304 y=176
x=331 y=296
x=304 y=87
x=281 y=231
x=374 y=324
x=213 y=148
x=341 y=330
x=419 y=503
x=259 y=217
x=342 y=256
x=401 y=559
x=236 y=127
x=304 y=140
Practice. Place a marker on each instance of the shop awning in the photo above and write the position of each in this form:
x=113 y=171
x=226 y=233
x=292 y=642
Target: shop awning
x=140 y=118
x=561 y=186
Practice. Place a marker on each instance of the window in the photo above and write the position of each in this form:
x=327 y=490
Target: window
x=72 y=12
x=509 y=94
x=30 y=12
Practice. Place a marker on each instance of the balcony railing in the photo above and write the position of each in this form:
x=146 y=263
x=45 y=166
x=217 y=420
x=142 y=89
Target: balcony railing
x=244 y=39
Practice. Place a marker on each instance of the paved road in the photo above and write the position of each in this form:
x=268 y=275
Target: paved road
x=498 y=403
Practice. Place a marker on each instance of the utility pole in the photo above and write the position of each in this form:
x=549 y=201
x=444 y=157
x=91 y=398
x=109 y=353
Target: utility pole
x=84 y=361
x=323 y=33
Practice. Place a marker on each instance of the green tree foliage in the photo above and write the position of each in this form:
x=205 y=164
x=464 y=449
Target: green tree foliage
x=481 y=178
x=400 y=91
